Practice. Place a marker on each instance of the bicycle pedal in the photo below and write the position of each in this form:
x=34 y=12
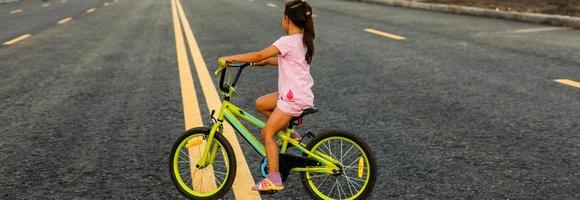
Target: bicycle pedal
x=307 y=135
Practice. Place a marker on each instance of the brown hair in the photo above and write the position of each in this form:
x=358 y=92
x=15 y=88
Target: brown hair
x=300 y=13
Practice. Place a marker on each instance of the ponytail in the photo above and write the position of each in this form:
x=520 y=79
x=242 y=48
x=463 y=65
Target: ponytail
x=300 y=13
x=308 y=35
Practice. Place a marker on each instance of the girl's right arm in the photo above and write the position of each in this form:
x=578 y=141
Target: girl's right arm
x=269 y=61
x=254 y=57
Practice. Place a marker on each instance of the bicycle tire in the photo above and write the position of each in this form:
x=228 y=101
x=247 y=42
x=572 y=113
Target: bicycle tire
x=231 y=160
x=372 y=167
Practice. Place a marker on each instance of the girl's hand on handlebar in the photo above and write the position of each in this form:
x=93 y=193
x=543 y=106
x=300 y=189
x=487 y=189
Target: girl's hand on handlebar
x=222 y=63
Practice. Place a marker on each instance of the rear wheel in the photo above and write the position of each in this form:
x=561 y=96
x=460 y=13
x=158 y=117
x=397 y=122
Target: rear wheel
x=210 y=182
x=358 y=171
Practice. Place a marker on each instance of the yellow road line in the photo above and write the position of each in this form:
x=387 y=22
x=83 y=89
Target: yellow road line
x=65 y=20
x=191 y=112
x=17 y=39
x=16 y=11
x=385 y=34
x=46 y=5
x=244 y=180
x=568 y=82
x=271 y=5
x=106 y=4
x=91 y=10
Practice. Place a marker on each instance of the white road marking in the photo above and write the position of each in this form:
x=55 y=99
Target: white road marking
x=65 y=20
x=544 y=29
x=15 y=40
x=16 y=11
x=271 y=5
x=568 y=82
x=385 y=34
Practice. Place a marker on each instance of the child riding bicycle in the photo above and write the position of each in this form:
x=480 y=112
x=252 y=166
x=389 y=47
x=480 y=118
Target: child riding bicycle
x=292 y=54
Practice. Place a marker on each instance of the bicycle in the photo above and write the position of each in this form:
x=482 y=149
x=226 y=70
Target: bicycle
x=204 y=153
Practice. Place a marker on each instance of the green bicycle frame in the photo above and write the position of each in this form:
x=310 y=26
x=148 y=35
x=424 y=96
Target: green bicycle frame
x=231 y=113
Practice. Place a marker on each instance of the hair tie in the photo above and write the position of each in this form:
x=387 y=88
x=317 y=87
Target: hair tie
x=294 y=6
x=307 y=13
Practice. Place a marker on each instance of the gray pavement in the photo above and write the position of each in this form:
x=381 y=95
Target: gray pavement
x=464 y=108
x=35 y=17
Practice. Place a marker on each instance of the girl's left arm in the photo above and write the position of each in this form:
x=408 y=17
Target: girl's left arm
x=254 y=57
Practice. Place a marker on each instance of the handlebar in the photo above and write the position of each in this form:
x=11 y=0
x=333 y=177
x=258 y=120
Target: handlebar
x=222 y=68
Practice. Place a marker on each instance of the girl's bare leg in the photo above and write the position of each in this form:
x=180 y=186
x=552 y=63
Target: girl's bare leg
x=276 y=122
x=267 y=103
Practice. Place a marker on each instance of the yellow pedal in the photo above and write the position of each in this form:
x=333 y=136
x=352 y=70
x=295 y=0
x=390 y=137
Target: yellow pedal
x=361 y=166
x=194 y=142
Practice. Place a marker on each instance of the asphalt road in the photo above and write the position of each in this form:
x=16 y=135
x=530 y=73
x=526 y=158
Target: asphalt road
x=463 y=108
x=32 y=16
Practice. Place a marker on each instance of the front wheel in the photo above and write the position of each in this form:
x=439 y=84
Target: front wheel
x=357 y=162
x=210 y=182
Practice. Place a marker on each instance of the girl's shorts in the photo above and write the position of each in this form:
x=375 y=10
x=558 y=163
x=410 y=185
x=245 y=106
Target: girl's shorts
x=293 y=108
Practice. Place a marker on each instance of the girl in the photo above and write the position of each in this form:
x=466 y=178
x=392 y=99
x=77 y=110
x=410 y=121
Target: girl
x=293 y=55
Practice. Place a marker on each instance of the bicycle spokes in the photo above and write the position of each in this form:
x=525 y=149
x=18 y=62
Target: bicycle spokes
x=354 y=171
x=204 y=180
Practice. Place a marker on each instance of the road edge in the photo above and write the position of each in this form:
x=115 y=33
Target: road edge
x=8 y=1
x=537 y=18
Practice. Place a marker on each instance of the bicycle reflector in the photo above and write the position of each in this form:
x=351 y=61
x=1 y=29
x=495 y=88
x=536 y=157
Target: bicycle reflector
x=361 y=166
x=193 y=142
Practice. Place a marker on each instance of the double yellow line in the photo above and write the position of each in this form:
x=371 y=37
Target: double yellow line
x=192 y=116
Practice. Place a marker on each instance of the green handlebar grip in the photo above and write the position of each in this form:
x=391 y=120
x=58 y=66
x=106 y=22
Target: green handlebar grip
x=222 y=62
x=221 y=65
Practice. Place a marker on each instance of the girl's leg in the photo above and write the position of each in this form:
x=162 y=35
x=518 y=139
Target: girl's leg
x=267 y=103
x=276 y=122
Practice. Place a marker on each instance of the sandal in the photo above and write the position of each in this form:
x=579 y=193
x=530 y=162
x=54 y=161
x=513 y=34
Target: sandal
x=267 y=185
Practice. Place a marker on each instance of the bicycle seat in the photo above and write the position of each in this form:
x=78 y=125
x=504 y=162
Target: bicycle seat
x=297 y=121
x=308 y=111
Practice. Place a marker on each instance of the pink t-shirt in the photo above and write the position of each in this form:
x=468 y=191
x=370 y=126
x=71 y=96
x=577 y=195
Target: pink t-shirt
x=294 y=79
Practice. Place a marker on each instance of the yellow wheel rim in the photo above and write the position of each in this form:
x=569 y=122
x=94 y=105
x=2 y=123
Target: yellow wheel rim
x=356 y=171
x=194 y=181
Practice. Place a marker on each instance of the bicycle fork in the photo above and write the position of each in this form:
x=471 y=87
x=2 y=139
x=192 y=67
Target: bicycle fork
x=210 y=150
